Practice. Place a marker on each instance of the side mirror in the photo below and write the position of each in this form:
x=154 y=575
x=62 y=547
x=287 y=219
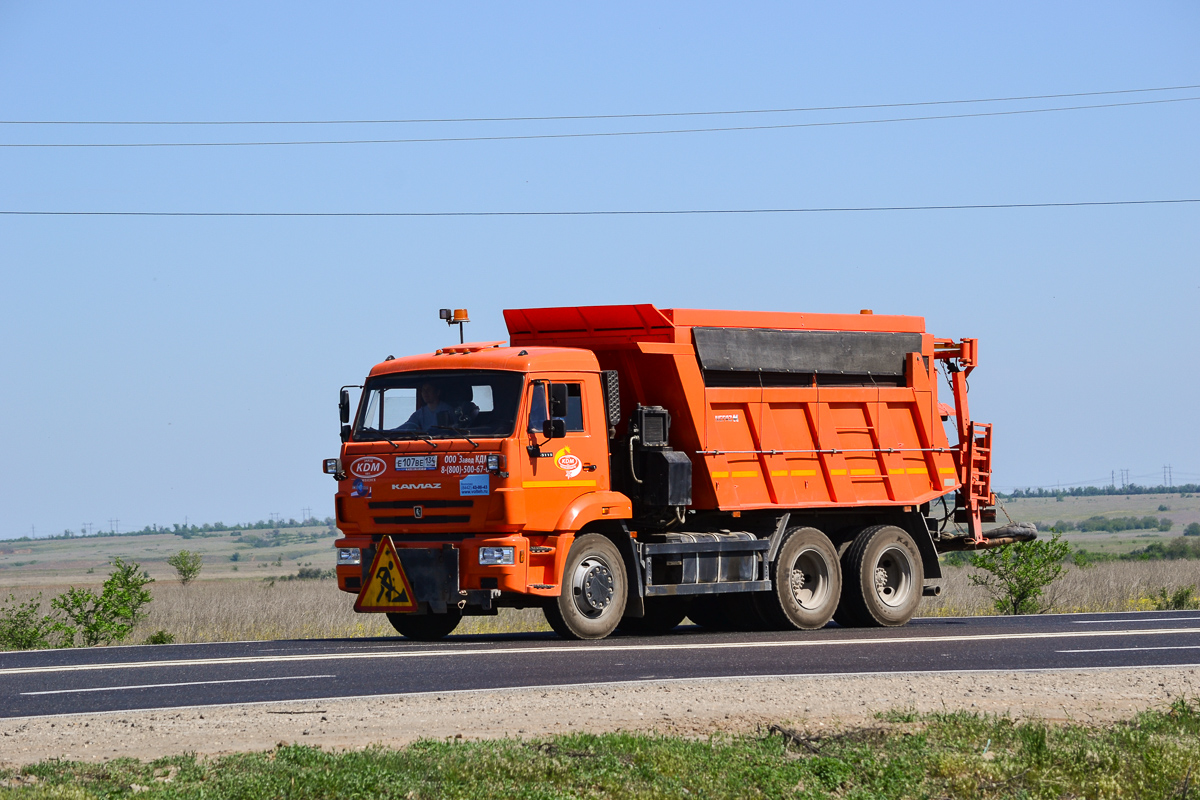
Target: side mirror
x=555 y=427
x=344 y=406
x=558 y=400
x=345 y=433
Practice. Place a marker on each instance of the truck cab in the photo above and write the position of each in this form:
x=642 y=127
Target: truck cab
x=490 y=457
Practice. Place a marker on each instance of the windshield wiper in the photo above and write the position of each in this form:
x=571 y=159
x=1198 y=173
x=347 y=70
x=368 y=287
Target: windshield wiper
x=460 y=431
x=463 y=434
x=409 y=435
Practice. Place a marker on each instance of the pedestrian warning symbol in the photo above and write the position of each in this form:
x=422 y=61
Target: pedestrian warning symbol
x=387 y=587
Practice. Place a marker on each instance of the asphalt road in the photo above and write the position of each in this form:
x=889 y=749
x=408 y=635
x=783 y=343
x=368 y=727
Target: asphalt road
x=38 y=683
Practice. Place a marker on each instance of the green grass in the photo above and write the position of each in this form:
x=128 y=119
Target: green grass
x=1154 y=755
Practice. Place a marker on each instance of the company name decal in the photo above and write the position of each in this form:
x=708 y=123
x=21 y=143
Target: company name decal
x=404 y=487
x=726 y=418
x=568 y=462
x=368 y=467
x=474 y=486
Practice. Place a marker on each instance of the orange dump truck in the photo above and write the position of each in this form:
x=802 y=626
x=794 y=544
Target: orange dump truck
x=622 y=467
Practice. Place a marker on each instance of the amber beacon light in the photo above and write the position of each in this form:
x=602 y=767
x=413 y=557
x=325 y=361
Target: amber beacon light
x=456 y=317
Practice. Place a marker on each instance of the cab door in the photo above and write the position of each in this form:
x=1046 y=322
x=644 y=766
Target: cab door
x=556 y=470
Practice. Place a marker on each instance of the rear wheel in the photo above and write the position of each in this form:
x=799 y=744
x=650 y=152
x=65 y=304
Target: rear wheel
x=593 y=590
x=883 y=578
x=806 y=582
x=662 y=615
x=426 y=627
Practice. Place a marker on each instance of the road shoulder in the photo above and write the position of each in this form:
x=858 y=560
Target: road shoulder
x=686 y=707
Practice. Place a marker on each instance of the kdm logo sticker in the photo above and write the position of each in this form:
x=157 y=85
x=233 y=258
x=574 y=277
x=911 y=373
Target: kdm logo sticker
x=568 y=463
x=369 y=467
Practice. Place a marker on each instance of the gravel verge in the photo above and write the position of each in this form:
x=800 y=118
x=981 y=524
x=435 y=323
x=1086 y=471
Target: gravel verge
x=687 y=708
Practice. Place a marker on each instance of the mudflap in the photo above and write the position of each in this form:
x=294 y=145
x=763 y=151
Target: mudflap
x=432 y=573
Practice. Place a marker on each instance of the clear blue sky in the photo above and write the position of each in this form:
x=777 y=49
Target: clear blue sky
x=156 y=369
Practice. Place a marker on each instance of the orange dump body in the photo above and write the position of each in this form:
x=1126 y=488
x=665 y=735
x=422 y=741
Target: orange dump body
x=764 y=428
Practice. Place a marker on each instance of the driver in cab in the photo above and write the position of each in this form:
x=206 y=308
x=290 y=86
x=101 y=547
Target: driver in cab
x=426 y=415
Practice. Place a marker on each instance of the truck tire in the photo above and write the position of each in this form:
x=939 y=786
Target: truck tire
x=883 y=578
x=663 y=614
x=806 y=581
x=426 y=627
x=594 y=584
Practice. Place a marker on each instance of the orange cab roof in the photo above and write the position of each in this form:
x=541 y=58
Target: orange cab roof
x=491 y=356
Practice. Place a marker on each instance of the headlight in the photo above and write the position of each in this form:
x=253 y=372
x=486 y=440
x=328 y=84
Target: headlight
x=331 y=466
x=493 y=462
x=496 y=555
x=349 y=556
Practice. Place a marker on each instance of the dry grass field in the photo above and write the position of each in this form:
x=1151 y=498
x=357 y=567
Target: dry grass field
x=225 y=611
x=245 y=610
x=1180 y=509
x=1108 y=586
x=61 y=562
x=246 y=600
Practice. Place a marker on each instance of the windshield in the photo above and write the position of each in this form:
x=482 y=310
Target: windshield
x=418 y=405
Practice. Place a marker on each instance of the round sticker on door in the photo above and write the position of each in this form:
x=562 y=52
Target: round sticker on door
x=368 y=467
x=568 y=463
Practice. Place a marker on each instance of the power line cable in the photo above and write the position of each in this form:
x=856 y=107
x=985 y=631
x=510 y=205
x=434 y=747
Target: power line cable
x=616 y=213
x=600 y=116
x=597 y=134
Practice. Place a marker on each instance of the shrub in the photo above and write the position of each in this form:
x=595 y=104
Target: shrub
x=956 y=558
x=1118 y=524
x=106 y=617
x=1178 y=547
x=22 y=627
x=1165 y=524
x=1016 y=575
x=1193 y=529
x=187 y=564
x=1182 y=599
x=1163 y=507
x=160 y=637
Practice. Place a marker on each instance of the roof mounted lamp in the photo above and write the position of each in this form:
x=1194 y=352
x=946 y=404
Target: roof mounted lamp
x=456 y=317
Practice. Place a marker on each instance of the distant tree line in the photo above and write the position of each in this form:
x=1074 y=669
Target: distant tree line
x=1099 y=491
x=188 y=531
x=1110 y=525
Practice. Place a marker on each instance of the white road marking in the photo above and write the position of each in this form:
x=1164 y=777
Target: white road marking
x=541 y=688
x=613 y=650
x=1151 y=619
x=170 y=685
x=1135 y=649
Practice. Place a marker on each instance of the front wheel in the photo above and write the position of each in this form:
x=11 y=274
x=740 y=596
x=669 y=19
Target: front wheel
x=592 y=599
x=884 y=578
x=426 y=627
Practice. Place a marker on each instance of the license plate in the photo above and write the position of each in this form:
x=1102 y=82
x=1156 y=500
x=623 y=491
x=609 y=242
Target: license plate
x=415 y=463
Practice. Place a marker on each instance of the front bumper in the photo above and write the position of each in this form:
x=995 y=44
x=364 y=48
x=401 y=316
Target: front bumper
x=443 y=574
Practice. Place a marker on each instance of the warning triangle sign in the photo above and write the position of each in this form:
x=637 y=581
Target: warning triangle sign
x=387 y=587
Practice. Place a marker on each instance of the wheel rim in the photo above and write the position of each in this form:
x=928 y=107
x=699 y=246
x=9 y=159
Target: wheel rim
x=809 y=580
x=893 y=577
x=593 y=586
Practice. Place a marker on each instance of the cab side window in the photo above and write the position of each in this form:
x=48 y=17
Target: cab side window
x=574 y=416
x=543 y=407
